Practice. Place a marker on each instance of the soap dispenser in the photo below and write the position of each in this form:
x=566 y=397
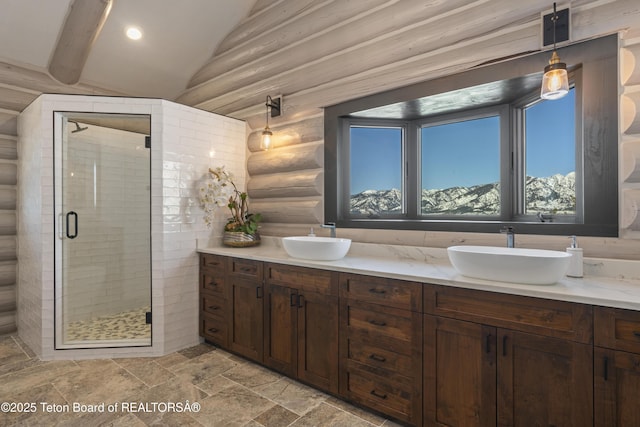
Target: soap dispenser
x=575 y=263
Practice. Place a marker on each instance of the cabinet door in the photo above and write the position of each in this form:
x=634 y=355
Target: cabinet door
x=459 y=373
x=544 y=381
x=318 y=340
x=245 y=318
x=280 y=328
x=617 y=385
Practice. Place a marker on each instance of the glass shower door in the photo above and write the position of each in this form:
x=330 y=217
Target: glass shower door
x=103 y=231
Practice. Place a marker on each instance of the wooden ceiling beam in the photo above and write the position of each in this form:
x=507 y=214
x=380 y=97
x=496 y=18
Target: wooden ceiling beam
x=81 y=29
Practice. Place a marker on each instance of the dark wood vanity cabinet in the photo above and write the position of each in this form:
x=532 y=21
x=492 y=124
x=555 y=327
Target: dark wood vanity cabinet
x=617 y=367
x=245 y=296
x=301 y=324
x=427 y=354
x=497 y=359
x=380 y=345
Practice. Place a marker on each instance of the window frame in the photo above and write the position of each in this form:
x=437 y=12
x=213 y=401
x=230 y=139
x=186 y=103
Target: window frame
x=346 y=126
x=501 y=111
x=595 y=61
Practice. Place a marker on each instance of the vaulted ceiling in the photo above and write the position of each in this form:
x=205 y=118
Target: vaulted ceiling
x=84 y=40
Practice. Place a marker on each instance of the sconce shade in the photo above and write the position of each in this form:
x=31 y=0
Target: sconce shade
x=265 y=144
x=555 y=82
x=275 y=106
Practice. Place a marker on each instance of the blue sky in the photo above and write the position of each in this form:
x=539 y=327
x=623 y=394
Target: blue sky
x=376 y=158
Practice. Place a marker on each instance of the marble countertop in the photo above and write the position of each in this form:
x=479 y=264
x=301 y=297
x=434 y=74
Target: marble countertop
x=611 y=283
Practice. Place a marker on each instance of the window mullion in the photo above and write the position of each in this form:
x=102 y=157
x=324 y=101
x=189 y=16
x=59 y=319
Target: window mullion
x=411 y=161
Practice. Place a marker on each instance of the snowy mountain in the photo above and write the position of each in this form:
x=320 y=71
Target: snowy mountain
x=554 y=194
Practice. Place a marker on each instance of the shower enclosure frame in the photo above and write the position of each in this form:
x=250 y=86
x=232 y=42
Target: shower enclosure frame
x=61 y=120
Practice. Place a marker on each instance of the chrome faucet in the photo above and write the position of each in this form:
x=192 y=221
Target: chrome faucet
x=511 y=237
x=331 y=226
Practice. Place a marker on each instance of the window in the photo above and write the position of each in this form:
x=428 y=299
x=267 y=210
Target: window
x=550 y=157
x=484 y=153
x=460 y=167
x=376 y=170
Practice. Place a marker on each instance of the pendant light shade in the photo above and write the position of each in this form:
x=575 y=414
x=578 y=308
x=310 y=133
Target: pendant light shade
x=555 y=82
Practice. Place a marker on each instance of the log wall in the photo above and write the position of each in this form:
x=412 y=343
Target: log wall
x=321 y=53
x=19 y=86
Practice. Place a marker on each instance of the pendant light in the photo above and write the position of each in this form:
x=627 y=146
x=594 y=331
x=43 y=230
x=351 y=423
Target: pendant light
x=555 y=82
x=273 y=106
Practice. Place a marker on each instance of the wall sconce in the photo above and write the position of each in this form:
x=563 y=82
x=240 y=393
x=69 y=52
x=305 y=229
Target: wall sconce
x=274 y=106
x=555 y=81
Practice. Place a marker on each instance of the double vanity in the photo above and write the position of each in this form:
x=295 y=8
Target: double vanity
x=398 y=330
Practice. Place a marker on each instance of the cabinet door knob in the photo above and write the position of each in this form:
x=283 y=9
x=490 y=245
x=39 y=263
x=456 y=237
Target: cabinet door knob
x=376 y=394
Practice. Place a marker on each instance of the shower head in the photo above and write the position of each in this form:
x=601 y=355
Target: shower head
x=78 y=128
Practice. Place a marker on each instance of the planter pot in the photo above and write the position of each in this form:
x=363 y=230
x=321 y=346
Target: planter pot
x=238 y=239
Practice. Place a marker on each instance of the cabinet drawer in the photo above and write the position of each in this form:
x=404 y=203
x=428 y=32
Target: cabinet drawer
x=379 y=357
x=212 y=282
x=617 y=329
x=388 y=292
x=213 y=306
x=245 y=268
x=559 y=319
x=392 y=396
x=304 y=279
x=388 y=328
x=214 y=329
x=212 y=261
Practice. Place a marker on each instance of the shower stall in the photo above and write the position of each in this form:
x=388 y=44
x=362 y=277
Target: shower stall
x=102 y=176
x=109 y=222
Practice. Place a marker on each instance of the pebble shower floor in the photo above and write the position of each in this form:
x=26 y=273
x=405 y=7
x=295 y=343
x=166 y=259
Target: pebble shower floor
x=120 y=326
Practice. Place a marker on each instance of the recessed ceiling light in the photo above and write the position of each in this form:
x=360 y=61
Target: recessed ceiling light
x=134 y=33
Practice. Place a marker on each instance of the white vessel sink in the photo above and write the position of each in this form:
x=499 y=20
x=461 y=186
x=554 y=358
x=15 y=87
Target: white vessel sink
x=316 y=248
x=514 y=265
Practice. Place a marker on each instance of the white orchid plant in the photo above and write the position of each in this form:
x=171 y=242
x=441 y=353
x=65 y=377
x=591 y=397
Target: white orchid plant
x=219 y=190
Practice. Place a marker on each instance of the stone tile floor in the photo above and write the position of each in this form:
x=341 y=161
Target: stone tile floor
x=228 y=390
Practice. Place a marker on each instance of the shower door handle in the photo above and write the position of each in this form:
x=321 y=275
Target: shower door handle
x=75 y=228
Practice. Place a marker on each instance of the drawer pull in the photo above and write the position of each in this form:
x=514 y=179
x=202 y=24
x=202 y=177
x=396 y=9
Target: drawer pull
x=377 y=291
x=377 y=322
x=606 y=368
x=214 y=307
x=246 y=269
x=376 y=394
x=488 y=343
x=213 y=284
x=377 y=357
x=636 y=334
x=212 y=330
